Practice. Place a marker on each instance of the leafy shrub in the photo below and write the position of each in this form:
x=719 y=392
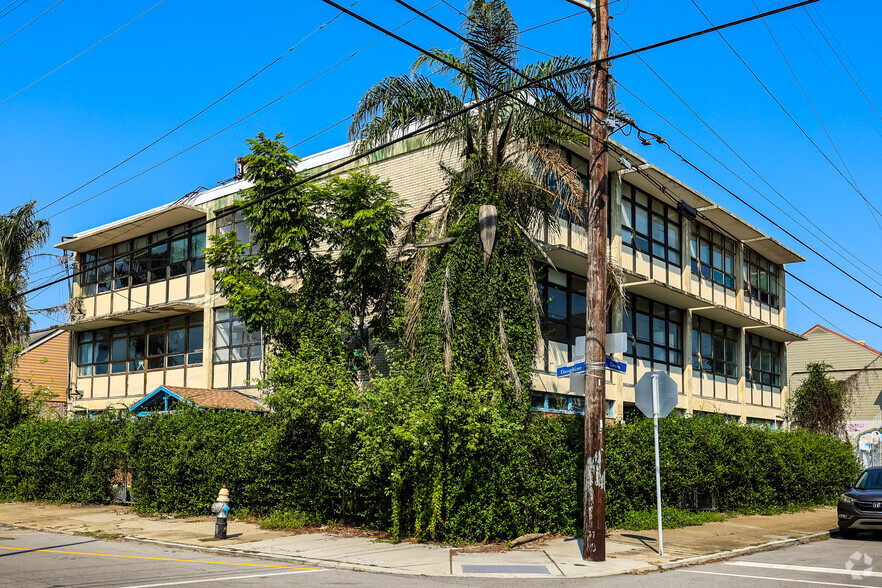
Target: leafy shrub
x=452 y=466
x=672 y=518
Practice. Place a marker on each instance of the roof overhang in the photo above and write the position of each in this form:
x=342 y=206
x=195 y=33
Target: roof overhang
x=656 y=290
x=728 y=316
x=566 y=258
x=774 y=333
x=773 y=250
x=134 y=226
x=133 y=316
x=674 y=189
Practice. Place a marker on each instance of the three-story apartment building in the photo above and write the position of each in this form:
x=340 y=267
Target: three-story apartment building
x=705 y=294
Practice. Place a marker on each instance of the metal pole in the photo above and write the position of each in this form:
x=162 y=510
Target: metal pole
x=658 y=500
x=595 y=213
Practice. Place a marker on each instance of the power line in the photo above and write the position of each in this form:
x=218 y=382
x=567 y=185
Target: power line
x=869 y=205
x=4 y=13
x=832 y=75
x=30 y=22
x=191 y=118
x=226 y=128
x=81 y=53
x=745 y=162
x=834 y=301
x=531 y=105
x=475 y=104
x=844 y=52
x=811 y=105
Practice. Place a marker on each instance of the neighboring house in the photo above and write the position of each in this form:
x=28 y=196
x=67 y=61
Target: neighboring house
x=848 y=359
x=43 y=367
x=706 y=295
x=169 y=398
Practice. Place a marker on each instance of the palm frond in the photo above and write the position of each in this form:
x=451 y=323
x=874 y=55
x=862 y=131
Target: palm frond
x=435 y=64
x=396 y=104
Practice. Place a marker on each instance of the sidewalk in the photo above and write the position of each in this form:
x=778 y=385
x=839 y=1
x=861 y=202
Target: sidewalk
x=548 y=556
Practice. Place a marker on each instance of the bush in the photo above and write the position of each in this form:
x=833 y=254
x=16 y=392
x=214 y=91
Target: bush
x=453 y=467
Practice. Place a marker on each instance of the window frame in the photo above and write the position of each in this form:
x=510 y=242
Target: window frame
x=756 y=264
x=704 y=326
x=657 y=311
x=634 y=201
x=137 y=358
x=136 y=265
x=754 y=347
x=703 y=237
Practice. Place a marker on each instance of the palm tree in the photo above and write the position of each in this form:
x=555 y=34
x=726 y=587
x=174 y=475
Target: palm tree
x=511 y=177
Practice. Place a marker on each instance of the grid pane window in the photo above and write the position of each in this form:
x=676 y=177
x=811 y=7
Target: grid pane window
x=714 y=348
x=760 y=278
x=654 y=331
x=159 y=344
x=713 y=256
x=237 y=222
x=232 y=341
x=763 y=362
x=135 y=262
x=650 y=226
x=564 y=315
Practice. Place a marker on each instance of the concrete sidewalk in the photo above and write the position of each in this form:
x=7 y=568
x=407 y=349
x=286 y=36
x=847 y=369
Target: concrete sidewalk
x=548 y=556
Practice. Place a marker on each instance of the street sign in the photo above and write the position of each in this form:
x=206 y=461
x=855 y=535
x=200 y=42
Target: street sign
x=578 y=367
x=570 y=368
x=616 y=366
x=667 y=394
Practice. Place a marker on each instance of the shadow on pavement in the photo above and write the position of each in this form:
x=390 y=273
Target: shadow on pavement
x=21 y=550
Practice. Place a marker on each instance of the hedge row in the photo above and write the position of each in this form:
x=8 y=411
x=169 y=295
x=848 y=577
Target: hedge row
x=505 y=485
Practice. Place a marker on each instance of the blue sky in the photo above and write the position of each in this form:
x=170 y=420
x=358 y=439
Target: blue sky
x=181 y=55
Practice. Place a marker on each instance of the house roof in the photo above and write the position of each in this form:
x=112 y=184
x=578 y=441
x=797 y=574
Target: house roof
x=859 y=343
x=39 y=337
x=215 y=398
x=203 y=398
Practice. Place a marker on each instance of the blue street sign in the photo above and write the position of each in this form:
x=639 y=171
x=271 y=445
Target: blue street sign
x=576 y=367
x=616 y=366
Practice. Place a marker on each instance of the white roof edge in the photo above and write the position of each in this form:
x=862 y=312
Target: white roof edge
x=122 y=221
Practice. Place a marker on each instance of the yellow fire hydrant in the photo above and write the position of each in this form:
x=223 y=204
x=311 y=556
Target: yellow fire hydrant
x=221 y=508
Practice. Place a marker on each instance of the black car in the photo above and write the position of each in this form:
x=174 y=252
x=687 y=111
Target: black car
x=860 y=509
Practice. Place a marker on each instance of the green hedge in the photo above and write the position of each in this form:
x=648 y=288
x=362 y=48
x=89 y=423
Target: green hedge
x=479 y=475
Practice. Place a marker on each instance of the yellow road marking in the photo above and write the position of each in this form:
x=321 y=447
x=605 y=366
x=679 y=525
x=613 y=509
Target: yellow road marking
x=220 y=563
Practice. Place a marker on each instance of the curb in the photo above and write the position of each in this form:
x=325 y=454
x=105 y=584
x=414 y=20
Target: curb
x=721 y=555
x=325 y=563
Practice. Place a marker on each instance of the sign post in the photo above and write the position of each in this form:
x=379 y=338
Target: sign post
x=656 y=396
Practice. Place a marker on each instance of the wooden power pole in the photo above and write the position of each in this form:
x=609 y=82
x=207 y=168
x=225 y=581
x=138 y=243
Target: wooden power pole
x=596 y=211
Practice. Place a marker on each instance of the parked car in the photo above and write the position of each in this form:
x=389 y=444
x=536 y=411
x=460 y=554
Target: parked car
x=860 y=509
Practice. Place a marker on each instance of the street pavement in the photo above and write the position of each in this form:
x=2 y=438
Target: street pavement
x=34 y=532
x=38 y=559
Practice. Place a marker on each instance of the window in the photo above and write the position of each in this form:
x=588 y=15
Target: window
x=232 y=341
x=714 y=348
x=760 y=278
x=159 y=344
x=650 y=226
x=550 y=402
x=654 y=331
x=763 y=362
x=564 y=309
x=236 y=222
x=147 y=258
x=713 y=256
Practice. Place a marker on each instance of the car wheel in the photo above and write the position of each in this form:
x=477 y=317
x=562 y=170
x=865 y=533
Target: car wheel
x=848 y=533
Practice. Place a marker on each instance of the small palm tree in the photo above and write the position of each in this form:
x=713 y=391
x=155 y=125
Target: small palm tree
x=511 y=176
x=21 y=234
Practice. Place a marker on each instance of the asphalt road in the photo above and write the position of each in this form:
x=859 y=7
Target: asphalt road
x=29 y=558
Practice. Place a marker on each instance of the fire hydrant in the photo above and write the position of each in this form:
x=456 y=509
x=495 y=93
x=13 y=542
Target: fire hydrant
x=221 y=508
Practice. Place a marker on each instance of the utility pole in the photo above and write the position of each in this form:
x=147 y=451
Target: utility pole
x=596 y=212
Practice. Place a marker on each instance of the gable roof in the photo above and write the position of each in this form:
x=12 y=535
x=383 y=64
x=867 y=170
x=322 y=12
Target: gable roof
x=832 y=332
x=36 y=338
x=202 y=398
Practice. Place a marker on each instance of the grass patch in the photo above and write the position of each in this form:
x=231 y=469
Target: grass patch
x=287 y=520
x=99 y=534
x=672 y=518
